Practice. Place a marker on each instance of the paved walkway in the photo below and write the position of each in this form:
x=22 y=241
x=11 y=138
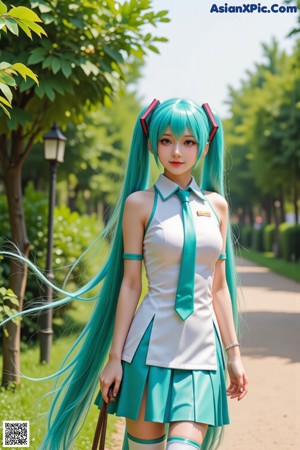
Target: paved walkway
x=268 y=417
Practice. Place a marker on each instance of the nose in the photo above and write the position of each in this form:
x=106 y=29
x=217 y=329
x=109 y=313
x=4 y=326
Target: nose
x=177 y=148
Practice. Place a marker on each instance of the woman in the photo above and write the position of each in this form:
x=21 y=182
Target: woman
x=169 y=359
x=166 y=360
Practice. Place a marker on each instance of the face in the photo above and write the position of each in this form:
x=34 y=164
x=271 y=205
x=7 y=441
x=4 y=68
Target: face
x=178 y=156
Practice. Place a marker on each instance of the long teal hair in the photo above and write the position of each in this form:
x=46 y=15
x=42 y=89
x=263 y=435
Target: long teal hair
x=78 y=377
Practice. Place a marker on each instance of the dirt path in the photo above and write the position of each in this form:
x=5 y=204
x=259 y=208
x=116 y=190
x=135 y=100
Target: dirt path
x=269 y=417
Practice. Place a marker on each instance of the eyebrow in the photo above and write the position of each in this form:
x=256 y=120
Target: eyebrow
x=185 y=135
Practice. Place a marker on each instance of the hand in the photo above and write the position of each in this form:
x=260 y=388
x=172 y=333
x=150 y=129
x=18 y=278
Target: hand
x=111 y=374
x=238 y=379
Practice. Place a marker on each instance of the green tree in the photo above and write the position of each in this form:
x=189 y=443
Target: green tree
x=251 y=164
x=81 y=63
x=275 y=135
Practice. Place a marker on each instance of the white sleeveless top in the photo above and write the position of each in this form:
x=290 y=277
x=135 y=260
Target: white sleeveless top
x=176 y=343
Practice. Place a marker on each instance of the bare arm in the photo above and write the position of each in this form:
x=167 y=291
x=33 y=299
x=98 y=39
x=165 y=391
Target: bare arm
x=223 y=310
x=130 y=291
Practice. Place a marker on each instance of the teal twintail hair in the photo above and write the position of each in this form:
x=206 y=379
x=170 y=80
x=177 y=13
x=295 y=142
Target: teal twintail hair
x=213 y=180
x=73 y=396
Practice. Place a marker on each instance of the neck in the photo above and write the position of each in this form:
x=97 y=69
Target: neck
x=182 y=180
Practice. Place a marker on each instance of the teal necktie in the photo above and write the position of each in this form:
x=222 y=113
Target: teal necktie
x=184 y=303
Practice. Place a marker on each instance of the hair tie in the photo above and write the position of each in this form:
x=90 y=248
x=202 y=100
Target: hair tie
x=146 y=115
x=212 y=121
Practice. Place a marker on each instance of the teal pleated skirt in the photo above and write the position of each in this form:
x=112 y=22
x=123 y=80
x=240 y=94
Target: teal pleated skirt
x=172 y=394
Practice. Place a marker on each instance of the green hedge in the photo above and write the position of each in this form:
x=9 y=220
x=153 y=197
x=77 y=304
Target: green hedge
x=263 y=239
x=289 y=236
x=284 y=241
x=251 y=237
x=246 y=235
x=297 y=242
x=268 y=237
x=257 y=239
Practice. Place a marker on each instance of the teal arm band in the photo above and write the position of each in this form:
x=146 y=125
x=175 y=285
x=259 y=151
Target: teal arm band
x=136 y=256
x=223 y=256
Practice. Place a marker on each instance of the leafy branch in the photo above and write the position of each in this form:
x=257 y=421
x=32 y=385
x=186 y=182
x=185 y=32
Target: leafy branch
x=12 y=20
x=9 y=304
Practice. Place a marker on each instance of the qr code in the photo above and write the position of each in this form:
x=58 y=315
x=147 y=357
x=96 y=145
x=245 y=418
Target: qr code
x=15 y=433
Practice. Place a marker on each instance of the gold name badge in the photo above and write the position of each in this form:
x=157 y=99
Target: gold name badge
x=202 y=212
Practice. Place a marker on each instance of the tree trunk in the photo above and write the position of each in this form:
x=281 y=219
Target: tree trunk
x=18 y=278
x=276 y=248
x=251 y=215
x=295 y=201
x=268 y=209
x=242 y=215
x=73 y=196
x=282 y=210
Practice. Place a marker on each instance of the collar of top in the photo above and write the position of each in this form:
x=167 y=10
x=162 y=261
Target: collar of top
x=167 y=187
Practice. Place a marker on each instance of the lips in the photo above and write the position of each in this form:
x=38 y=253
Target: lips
x=176 y=163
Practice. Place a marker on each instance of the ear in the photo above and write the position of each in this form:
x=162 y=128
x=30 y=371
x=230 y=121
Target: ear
x=206 y=148
x=149 y=147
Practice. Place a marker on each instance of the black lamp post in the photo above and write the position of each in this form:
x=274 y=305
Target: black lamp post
x=54 y=150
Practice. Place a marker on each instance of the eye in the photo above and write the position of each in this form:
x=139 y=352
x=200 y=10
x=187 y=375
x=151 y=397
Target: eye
x=165 y=141
x=190 y=142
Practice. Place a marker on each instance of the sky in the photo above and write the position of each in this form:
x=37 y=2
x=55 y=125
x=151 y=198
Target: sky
x=207 y=52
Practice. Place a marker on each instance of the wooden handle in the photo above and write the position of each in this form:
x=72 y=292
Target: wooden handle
x=100 y=432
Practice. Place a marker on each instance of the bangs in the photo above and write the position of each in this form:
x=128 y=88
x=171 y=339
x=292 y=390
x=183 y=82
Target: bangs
x=178 y=121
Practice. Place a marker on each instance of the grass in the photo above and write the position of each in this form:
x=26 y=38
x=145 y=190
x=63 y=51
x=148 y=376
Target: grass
x=288 y=269
x=26 y=402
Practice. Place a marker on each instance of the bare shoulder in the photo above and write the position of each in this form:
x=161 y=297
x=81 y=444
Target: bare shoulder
x=217 y=199
x=219 y=203
x=140 y=204
x=139 y=197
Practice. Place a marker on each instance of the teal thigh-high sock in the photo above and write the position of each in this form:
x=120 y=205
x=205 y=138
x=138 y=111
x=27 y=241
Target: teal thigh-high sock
x=125 y=441
x=146 y=444
x=180 y=443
